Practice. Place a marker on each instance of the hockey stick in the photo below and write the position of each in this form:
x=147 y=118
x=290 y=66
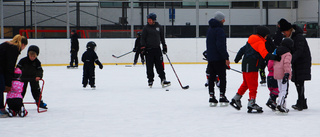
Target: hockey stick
x=183 y=87
x=236 y=70
x=122 y=55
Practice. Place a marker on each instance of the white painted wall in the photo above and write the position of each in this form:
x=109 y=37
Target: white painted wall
x=56 y=51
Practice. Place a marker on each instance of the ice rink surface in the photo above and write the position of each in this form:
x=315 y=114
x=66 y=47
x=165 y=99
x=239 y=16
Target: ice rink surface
x=122 y=105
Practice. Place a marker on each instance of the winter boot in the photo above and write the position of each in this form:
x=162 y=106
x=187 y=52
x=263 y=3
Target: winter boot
x=212 y=100
x=253 y=106
x=223 y=100
x=236 y=102
x=165 y=83
x=301 y=104
x=23 y=112
x=271 y=103
x=11 y=113
x=3 y=113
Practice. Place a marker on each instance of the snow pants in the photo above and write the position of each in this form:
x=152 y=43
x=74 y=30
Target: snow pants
x=35 y=89
x=88 y=76
x=217 y=68
x=154 y=58
x=250 y=81
x=283 y=92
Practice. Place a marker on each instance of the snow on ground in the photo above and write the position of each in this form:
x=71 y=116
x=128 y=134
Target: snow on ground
x=124 y=106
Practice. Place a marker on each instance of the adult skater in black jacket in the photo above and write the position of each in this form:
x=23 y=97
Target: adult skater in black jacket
x=74 y=49
x=32 y=72
x=301 y=61
x=90 y=57
x=152 y=35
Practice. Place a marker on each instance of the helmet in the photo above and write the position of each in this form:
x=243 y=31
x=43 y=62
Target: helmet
x=139 y=33
x=91 y=45
x=17 y=73
x=263 y=31
x=34 y=48
x=152 y=16
x=287 y=42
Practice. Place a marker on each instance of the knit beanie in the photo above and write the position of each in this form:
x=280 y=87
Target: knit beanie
x=284 y=25
x=219 y=16
x=263 y=31
x=34 y=48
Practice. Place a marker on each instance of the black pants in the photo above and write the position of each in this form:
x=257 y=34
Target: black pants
x=217 y=68
x=15 y=104
x=136 y=56
x=35 y=89
x=88 y=76
x=74 y=58
x=300 y=89
x=154 y=58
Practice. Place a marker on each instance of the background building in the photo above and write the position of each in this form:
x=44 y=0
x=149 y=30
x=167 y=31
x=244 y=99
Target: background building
x=123 y=18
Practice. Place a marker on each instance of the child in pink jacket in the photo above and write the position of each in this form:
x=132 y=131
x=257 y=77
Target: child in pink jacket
x=14 y=97
x=282 y=72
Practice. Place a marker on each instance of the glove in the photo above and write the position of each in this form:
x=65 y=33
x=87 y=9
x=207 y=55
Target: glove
x=228 y=67
x=101 y=66
x=134 y=50
x=143 y=50
x=285 y=78
x=164 y=49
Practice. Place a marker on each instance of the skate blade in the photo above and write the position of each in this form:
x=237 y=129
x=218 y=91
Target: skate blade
x=255 y=111
x=213 y=104
x=235 y=106
x=224 y=104
x=263 y=85
x=281 y=113
x=167 y=85
x=273 y=109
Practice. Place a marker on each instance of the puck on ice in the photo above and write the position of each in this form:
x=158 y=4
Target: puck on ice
x=167 y=89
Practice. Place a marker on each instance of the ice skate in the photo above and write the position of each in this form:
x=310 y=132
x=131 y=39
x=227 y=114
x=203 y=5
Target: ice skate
x=72 y=67
x=165 y=83
x=271 y=104
x=223 y=101
x=282 y=109
x=263 y=82
x=150 y=84
x=236 y=102
x=42 y=105
x=23 y=112
x=93 y=86
x=253 y=107
x=213 y=101
x=11 y=113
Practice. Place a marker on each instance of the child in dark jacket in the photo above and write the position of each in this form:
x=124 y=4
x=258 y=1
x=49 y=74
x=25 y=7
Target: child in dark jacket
x=90 y=57
x=14 y=97
x=32 y=72
x=252 y=52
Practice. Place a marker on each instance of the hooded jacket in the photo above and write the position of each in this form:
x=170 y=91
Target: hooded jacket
x=74 y=43
x=216 y=42
x=301 y=56
x=284 y=65
x=252 y=53
x=30 y=69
